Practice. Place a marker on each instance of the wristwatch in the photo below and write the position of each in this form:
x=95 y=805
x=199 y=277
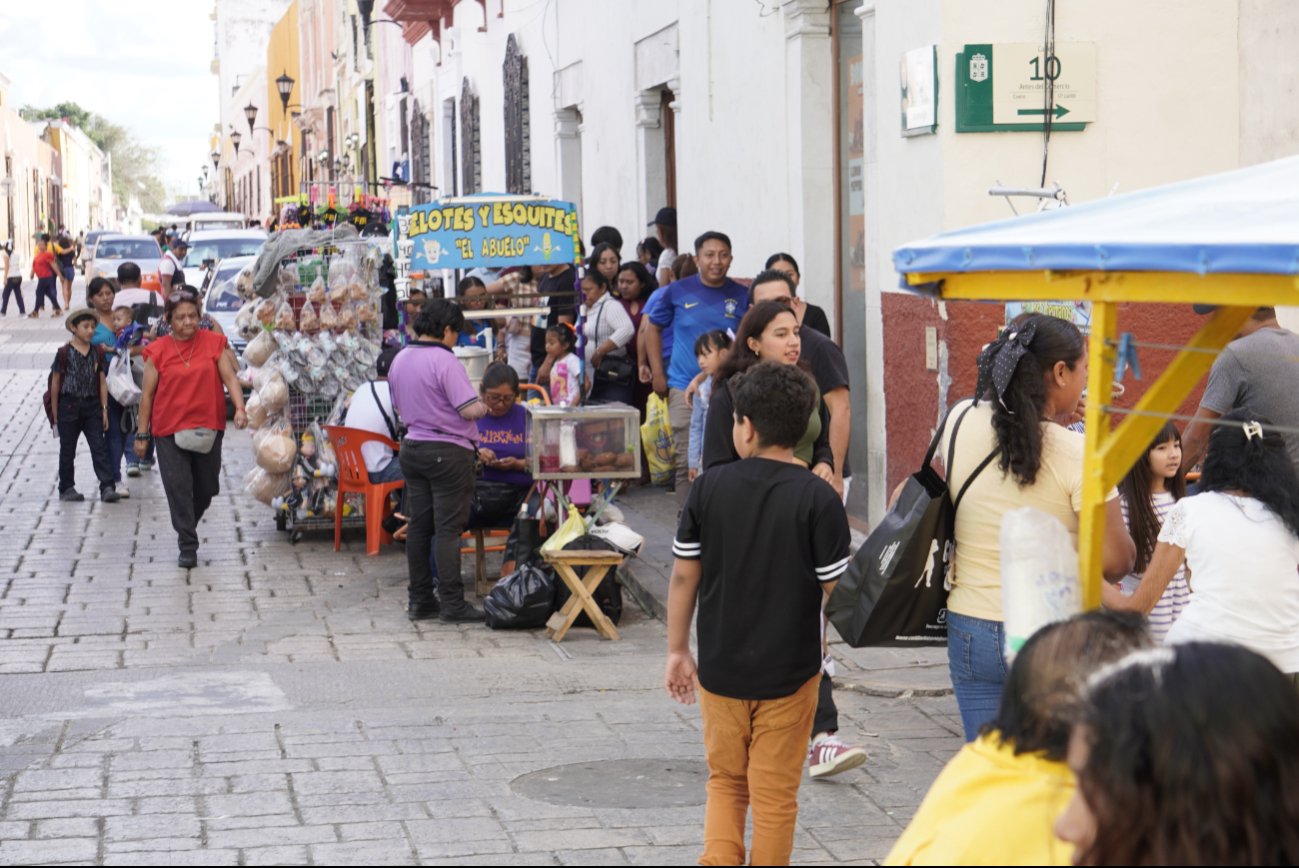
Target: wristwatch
x=142 y=435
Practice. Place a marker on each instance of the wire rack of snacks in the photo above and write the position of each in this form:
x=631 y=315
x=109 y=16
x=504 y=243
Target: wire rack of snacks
x=313 y=336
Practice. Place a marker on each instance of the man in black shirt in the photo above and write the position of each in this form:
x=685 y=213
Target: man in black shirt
x=762 y=542
x=560 y=287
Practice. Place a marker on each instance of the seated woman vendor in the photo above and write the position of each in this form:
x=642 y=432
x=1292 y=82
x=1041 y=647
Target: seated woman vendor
x=505 y=481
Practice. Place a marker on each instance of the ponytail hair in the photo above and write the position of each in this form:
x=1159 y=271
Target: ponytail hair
x=1245 y=454
x=1012 y=376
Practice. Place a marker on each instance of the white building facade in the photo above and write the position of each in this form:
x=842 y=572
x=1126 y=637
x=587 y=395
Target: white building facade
x=780 y=123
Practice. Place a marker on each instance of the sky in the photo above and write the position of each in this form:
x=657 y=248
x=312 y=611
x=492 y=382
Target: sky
x=145 y=66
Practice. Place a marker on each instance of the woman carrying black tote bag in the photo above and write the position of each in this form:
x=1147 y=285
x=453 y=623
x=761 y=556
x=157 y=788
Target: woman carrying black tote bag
x=894 y=592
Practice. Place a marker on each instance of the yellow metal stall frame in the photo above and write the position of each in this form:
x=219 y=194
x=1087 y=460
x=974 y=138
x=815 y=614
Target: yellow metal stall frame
x=1112 y=450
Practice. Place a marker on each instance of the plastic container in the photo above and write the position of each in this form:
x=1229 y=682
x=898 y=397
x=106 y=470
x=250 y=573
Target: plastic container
x=475 y=361
x=594 y=442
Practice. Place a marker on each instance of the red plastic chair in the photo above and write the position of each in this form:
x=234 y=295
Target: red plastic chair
x=353 y=479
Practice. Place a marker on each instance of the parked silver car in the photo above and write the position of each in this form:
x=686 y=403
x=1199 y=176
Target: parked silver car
x=222 y=301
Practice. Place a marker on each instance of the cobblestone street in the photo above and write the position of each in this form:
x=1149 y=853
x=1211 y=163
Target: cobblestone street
x=275 y=704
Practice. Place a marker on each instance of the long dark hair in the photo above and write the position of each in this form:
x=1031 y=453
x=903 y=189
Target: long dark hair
x=1193 y=760
x=755 y=322
x=1257 y=465
x=1137 y=489
x=1040 y=698
x=594 y=259
x=1039 y=341
x=642 y=274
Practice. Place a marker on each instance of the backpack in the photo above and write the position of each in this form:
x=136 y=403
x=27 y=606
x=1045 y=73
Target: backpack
x=61 y=364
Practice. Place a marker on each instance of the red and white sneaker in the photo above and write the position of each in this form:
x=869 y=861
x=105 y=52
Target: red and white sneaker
x=828 y=756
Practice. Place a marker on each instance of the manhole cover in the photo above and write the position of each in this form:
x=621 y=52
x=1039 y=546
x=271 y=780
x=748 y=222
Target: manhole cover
x=627 y=783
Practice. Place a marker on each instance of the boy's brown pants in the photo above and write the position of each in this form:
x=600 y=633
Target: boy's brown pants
x=756 y=750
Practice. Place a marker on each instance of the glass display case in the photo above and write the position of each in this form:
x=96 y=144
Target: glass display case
x=601 y=441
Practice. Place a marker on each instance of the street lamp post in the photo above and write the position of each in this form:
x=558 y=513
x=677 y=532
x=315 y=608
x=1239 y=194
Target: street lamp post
x=235 y=138
x=250 y=112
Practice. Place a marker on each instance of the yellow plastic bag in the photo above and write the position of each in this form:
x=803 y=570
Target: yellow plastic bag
x=572 y=528
x=656 y=440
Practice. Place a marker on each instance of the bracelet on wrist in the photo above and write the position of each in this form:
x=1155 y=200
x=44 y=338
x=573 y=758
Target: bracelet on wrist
x=142 y=435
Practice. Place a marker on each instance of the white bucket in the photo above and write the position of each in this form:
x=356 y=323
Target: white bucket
x=475 y=361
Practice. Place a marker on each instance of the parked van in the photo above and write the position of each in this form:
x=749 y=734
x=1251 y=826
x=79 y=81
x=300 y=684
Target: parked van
x=216 y=220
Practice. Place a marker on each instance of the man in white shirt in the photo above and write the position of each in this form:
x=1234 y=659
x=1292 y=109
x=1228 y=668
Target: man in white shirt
x=371 y=410
x=171 y=273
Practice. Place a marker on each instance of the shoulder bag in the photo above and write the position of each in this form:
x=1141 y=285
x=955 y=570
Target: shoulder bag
x=616 y=370
x=894 y=592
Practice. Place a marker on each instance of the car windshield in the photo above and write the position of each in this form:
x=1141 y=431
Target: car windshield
x=232 y=223
x=223 y=297
x=221 y=248
x=127 y=248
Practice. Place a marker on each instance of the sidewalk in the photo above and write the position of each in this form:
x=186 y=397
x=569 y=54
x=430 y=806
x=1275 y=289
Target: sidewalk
x=275 y=705
x=895 y=672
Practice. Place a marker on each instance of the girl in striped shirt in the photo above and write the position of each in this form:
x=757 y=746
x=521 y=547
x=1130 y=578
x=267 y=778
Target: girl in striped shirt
x=1149 y=491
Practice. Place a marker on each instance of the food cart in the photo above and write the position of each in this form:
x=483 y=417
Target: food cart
x=1230 y=240
x=311 y=319
x=494 y=231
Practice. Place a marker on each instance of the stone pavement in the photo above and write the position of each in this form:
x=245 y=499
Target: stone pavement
x=275 y=705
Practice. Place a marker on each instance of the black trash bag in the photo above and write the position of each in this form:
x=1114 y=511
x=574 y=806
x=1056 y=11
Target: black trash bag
x=523 y=600
x=608 y=596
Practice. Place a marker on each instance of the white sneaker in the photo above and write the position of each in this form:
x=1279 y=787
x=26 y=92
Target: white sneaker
x=828 y=756
x=132 y=470
x=122 y=491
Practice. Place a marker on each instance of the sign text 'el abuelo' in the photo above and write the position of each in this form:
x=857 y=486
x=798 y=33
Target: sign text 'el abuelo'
x=490 y=232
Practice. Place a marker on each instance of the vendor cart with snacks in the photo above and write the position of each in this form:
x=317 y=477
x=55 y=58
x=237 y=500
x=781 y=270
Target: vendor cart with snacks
x=311 y=319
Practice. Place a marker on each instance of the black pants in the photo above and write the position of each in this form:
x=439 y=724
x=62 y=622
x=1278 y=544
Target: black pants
x=439 y=487
x=46 y=286
x=78 y=416
x=13 y=285
x=827 y=715
x=190 y=480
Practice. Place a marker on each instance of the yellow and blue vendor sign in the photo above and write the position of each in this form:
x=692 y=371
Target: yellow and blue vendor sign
x=490 y=231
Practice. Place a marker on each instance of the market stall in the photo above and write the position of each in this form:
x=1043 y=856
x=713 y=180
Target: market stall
x=1230 y=240
x=493 y=231
x=311 y=319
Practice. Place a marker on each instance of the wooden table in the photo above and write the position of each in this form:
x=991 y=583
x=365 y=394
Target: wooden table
x=598 y=564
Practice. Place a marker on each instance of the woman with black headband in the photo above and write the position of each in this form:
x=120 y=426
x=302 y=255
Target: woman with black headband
x=1030 y=380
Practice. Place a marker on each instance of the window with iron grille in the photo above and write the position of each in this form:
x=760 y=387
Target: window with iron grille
x=420 y=172
x=518 y=131
x=470 y=141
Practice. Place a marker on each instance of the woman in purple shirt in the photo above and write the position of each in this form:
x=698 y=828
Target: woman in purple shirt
x=505 y=480
x=432 y=394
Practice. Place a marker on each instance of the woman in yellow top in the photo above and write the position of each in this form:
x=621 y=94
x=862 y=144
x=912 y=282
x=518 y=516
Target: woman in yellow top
x=996 y=801
x=1030 y=384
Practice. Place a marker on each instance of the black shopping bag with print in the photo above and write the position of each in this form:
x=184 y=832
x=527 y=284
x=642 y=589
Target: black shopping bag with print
x=894 y=592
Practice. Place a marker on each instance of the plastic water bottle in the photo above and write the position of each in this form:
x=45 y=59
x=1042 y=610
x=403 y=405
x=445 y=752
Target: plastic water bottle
x=1039 y=575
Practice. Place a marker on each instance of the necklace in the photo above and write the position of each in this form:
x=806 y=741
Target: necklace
x=192 y=351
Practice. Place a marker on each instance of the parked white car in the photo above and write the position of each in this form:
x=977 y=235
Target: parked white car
x=112 y=250
x=207 y=248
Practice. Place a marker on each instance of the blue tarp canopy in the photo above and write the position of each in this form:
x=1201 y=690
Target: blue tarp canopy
x=1240 y=222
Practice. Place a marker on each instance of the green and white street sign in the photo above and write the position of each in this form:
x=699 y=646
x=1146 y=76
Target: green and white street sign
x=1003 y=87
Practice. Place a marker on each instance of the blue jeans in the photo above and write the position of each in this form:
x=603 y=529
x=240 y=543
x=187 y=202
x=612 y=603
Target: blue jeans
x=974 y=656
x=116 y=438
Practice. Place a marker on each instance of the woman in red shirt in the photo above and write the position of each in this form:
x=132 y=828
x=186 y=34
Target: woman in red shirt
x=183 y=409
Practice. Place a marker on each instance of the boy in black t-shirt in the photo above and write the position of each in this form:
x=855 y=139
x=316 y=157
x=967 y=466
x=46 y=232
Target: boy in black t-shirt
x=762 y=541
x=78 y=405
